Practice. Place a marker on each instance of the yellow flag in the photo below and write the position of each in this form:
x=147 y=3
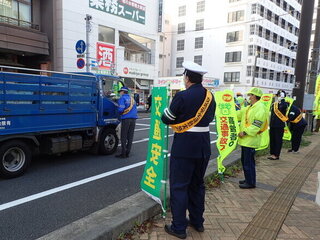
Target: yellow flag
x=227 y=125
x=317 y=89
x=287 y=134
x=266 y=99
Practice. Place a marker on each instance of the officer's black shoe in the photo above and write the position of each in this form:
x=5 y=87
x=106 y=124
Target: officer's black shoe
x=127 y=154
x=242 y=181
x=120 y=156
x=290 y=150
x=168 y=229
x=246 y=186
x=198 y=229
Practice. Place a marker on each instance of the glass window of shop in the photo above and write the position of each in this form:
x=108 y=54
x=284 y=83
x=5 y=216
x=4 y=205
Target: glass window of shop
x=16 y=9
x=106 y=34
x=137 y=48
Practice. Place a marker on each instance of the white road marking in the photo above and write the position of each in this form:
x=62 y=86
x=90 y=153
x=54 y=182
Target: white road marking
x=143 y=118
x=142 y=124
x=70 y=185
x=140 y=129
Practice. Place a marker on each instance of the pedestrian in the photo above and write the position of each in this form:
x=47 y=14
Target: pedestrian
x=149 y=102
x=128 y=112
x=278 y=121
x=297 y=124
x=253 y=121
x=189 y=114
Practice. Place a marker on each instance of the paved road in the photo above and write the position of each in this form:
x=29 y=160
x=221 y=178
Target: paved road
x=59 y=190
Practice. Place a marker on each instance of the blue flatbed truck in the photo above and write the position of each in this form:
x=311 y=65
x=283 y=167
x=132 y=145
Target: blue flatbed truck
x=52 y=113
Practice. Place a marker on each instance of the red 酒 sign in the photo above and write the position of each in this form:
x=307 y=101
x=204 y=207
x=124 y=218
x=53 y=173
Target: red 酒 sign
x=105 y=56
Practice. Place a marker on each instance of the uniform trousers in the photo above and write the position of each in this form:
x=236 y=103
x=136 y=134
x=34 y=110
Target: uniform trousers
x=187 y=191
x=276 y=135
x=127 y=132
x=296 y=137
x=249 y=165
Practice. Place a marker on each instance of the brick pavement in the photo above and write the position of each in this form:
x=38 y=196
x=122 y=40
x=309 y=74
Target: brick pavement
x=229 y=209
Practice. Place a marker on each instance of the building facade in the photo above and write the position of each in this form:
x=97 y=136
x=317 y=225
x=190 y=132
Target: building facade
x=25 y=33
x=109 y=37
x=244 y=43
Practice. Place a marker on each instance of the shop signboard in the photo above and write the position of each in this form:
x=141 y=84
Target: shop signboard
x=127 y=9
x=105 y=56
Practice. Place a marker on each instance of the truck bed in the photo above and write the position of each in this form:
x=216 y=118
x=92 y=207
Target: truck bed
x=39 y=103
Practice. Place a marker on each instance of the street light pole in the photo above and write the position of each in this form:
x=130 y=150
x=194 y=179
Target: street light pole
x=254 y=68
x=303 y=51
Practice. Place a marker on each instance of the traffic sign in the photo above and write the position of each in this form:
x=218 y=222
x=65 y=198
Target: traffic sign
x=80 y=63
x=80 y=46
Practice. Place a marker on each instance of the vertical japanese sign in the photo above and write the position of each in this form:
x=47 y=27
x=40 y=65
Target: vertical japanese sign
x=153 y=181
x=227 y=125
x=266 y=99
x=122 y=8
x=105 y=56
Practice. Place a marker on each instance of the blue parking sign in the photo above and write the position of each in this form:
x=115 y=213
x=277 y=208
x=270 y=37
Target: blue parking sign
x=81 y=46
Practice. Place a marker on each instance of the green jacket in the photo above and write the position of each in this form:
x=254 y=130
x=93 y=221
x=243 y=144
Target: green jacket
x=255 y=123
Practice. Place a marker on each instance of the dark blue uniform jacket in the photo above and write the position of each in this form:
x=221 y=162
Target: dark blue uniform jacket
x=184 y=106
x=293 y=114
x=276 y=122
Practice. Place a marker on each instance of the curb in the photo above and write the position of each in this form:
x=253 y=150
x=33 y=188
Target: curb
x=120 y=217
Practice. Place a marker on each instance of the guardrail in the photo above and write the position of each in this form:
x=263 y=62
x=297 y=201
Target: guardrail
x=19 y=23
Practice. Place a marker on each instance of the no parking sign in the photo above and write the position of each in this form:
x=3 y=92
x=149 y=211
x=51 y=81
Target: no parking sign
x=80 y=63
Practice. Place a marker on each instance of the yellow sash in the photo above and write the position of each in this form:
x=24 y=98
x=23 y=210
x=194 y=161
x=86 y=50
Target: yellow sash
x=129 y=108
x=297 y=119
x=278 y=113
x=263 y=127
x=186 y=125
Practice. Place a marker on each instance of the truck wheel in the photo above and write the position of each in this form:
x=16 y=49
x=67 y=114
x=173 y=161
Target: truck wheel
x=108 y=142
x=15 y=156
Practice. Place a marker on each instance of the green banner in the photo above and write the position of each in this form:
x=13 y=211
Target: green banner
x=153 y=181
x=317 y=89
x=266 y=99
x=227 y=125
x=127 y=9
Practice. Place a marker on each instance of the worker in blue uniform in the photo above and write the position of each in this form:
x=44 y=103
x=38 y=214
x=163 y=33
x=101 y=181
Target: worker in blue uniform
x=297 y=124
x=128 y=112
x=189 y=115
x=278 y=120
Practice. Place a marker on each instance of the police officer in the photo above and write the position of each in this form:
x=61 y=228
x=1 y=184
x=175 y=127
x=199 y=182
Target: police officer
x=189 y=115
x=297 y=124
x=277 y=124
x=253 y=121
x=128 y=111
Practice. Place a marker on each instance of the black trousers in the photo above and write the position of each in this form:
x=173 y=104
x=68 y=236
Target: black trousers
x=296 y=137
x=127 y=132
x=187 y=191
x=276 y=135
x=249 y=165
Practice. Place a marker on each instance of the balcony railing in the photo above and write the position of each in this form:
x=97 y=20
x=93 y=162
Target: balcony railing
x=18 y=22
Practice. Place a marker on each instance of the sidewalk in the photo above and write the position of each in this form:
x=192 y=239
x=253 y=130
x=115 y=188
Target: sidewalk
x=281 y=207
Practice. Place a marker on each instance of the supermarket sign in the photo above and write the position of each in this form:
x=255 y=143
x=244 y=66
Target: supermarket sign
x=122 y=8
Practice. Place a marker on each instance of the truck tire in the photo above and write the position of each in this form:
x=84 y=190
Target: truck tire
x=108 y=142
x=15 y=157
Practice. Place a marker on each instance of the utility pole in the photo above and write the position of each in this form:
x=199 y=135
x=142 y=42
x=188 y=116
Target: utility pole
x=315 y=54
x=88 y=30
x=303 y=51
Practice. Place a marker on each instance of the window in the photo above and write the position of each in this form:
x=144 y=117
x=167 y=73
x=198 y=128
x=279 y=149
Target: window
x=18 y=10
x=161 y=38
x=181 y=28
x=236 y=16
x=253 y=29
x=179 y=62
x=250 y=50
x=199 y=24
x=254 y=8
x=198 y=43
x=201 y=6
x=233 y=57
x=249 y=71
x=234 y=36
x=198 y=59
x=180 y=45
x=182 y=11
x=106 y=34
x=232 y=77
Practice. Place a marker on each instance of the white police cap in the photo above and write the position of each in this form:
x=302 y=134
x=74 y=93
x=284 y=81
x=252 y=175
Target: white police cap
x=193 y=67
